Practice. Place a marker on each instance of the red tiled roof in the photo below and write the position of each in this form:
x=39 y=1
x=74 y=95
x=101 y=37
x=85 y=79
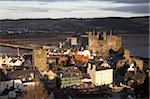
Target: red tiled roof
x=81 y=58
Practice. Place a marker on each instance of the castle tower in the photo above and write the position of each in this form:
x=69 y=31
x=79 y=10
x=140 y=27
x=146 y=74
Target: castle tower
x=127 y=54
x=94 y=32
x=93 y=42
x=104 y=36
x=110 y=32
x=98 y=33
x=39 y=58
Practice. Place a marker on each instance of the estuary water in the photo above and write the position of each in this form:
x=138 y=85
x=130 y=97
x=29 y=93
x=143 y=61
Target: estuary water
x=138 y=44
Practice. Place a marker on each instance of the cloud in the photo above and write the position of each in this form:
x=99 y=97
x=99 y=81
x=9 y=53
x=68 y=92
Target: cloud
x=71 y=8
x=51 y=6
x=27 y=9
x=36 y=9
x=127 y=1
x=136 y=8
x=117 y=1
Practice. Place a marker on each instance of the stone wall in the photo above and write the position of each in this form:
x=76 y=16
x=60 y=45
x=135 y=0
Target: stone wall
x=40 y=59
x=102 y=46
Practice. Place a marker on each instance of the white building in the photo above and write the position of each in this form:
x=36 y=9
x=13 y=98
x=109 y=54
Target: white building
x=131 y=68
x=7 y=84
x=73 y=40
x=86 y=53
x=100 y=77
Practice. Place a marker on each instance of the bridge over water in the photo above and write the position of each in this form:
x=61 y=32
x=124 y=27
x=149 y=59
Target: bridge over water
x=31 y=47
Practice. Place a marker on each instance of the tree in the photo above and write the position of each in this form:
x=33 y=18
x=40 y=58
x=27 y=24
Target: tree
x=36 y=92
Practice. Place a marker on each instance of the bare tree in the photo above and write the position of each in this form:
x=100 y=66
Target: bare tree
x=36 y=92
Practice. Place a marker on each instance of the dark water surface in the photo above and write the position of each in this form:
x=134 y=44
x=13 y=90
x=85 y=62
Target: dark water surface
x=138 y=44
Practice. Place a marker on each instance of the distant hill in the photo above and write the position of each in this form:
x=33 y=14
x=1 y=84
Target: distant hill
x=44 y=27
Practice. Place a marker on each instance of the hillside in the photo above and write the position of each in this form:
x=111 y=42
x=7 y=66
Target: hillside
x=44 y=27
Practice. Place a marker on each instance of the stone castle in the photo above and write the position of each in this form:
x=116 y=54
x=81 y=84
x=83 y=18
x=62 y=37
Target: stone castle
x=103 y=45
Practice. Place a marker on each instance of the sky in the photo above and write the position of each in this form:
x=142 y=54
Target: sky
x=16 y=9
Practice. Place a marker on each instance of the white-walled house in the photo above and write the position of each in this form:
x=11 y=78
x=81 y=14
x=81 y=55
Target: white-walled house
x=7 y=84
x=103 y=76
x=86 y=53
